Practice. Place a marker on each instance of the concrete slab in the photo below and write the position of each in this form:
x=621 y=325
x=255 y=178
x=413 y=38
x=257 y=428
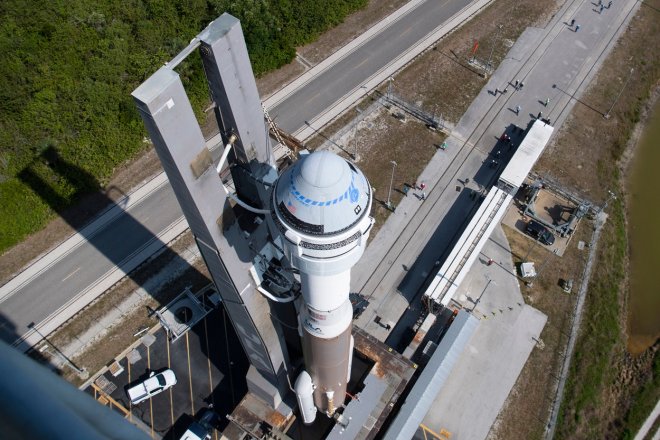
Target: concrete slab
x=485 y=373
x=487 y=370
x=134 y=357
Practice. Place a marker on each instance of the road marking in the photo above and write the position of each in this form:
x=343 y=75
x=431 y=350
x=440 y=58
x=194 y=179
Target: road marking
x=361 y=63
x=102 y=220
x=70 y=275
x=151 y=406
x=169 y=365
x=316 y=95
x=130 y=404
x=192 y=404
x=208 y=360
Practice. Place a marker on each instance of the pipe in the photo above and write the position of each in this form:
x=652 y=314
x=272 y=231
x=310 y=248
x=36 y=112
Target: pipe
x=350 y=359
x=245 y=205
x=225 y=153
x=232 y=196
x=268 y=295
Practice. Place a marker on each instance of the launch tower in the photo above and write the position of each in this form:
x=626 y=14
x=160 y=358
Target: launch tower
x=263 y=237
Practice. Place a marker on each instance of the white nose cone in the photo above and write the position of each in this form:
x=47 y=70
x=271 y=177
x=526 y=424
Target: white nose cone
x=321 y=205
x=322 y=194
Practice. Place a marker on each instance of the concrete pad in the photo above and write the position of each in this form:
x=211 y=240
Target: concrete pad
x=133 y=356
x=485 y=373
x=148 y=340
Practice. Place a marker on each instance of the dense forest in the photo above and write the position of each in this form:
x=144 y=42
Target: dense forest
x=68 y=67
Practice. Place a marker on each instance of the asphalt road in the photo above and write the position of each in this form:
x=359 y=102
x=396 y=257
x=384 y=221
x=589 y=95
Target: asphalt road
x=80 y=268
x=352 y=70
x=54 y=287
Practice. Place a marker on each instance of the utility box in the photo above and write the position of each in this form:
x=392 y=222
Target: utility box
x=527 y=270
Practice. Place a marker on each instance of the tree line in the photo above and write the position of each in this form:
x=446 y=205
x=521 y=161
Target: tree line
x=67 y=119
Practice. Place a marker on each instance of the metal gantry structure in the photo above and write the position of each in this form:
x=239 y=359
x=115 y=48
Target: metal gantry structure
x=279 y=248
x=215 y=220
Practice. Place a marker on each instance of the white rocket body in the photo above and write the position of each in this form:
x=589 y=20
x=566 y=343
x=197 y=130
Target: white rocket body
x=321 y=207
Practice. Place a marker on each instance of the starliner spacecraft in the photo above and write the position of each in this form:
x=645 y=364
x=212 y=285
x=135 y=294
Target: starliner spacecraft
x=264 y=237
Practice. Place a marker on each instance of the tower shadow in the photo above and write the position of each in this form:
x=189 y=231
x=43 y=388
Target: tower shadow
x=118 y=244
x=125 y=236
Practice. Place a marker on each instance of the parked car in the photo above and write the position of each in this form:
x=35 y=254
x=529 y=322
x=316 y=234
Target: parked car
x=154 y=384
x=540 y=232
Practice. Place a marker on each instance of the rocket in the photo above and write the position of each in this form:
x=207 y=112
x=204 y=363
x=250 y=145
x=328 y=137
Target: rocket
x=320 y=207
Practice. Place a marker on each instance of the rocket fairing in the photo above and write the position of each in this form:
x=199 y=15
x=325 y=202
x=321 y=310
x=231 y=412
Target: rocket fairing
x=321 y=207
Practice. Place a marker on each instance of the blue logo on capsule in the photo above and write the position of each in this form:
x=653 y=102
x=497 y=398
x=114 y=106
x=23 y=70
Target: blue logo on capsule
x=354 y=194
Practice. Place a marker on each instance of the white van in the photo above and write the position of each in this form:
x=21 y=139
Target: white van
x=154 y=384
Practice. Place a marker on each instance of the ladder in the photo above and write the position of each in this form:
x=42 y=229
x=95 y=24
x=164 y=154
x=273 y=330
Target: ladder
x=279 y=134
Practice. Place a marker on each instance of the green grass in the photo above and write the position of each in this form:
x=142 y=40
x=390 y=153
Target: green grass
x=591 y=369
x=644 y=402
x=595 y=373
x=67 y=119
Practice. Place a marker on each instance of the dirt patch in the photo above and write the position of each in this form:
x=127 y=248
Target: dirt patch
x=552 y=208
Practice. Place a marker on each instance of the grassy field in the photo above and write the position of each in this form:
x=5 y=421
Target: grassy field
x=608 y=392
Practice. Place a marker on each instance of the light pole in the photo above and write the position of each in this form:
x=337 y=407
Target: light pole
x=607 y=115
x=82 y=373
x=476 y=303
x=357 y=122
x=389 y=194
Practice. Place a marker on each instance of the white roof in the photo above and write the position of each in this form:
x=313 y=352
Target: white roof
x=458 y=263
x=527 y=154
